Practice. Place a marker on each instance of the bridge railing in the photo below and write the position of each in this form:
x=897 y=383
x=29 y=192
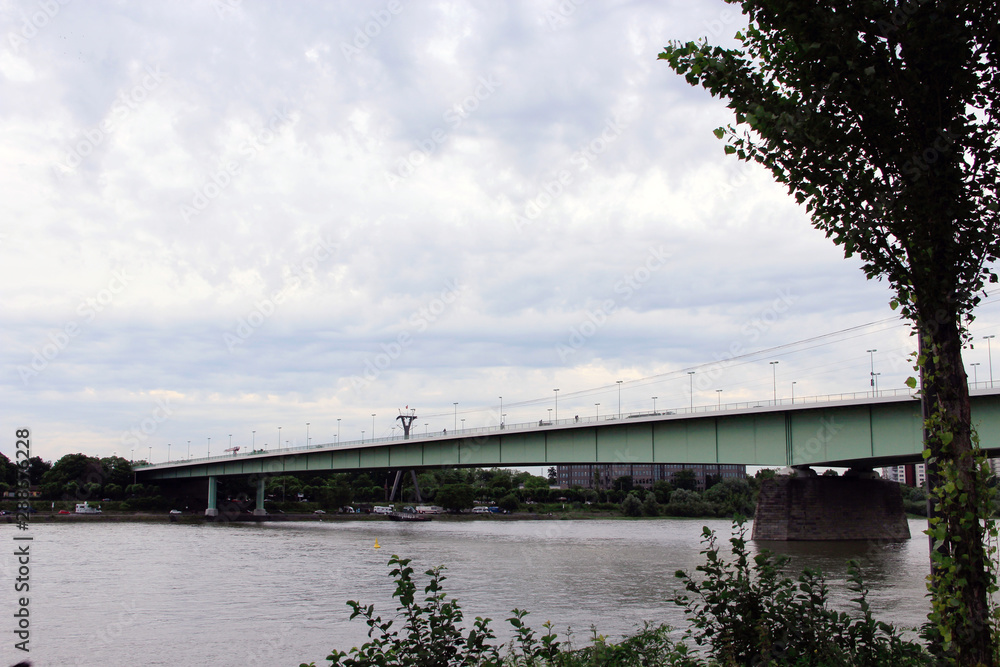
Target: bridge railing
x=571 y=421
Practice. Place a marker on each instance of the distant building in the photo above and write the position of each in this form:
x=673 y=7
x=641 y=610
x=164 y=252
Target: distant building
x=642 y=474
x=911 y=474
x=914 y=474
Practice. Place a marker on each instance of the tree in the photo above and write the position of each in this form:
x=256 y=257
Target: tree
x=71 y=473
x=455 y=497
x=8 y=470
x=882 y=119
x=684 y=479
x=508 y=503
x=623 y=483
x=553 y=475
x=631 y=506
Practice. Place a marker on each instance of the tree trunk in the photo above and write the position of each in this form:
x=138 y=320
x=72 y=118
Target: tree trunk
x=960 y=569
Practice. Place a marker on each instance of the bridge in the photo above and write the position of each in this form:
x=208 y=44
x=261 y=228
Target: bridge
x=850 y=430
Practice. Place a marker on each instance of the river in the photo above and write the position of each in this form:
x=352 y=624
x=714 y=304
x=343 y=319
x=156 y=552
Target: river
x=109 y=594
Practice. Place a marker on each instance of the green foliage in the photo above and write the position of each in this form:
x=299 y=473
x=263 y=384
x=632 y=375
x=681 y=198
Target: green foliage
x=684 y=479
x=747 y=612
x=731 y=497
x=688 y=503
x=883 y=120
x=649 y=506
x=455 y=496
x=509 y=503
x=631 y=506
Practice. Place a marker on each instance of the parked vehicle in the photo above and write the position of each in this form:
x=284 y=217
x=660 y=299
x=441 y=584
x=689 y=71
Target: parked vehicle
x=382 y=509
x=480 y=510
x=84 y=508
x=429 y=509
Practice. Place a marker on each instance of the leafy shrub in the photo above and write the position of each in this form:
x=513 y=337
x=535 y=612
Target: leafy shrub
x=631 y=506
x=748 y=613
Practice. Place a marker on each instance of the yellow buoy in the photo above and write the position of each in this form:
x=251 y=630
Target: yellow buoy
x=376 y=544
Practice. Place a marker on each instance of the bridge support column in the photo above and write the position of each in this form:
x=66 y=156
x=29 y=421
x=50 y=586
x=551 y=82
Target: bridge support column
x=211 y=509
x=857 y=506
x=259 y=509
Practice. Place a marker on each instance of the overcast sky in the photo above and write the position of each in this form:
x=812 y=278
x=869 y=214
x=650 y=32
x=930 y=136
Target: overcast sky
x=221 y=217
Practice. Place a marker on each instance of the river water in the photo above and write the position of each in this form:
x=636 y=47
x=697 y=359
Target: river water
x=109 y=594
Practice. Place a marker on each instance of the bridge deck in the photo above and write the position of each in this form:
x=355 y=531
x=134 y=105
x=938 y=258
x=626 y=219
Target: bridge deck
x=868 y=431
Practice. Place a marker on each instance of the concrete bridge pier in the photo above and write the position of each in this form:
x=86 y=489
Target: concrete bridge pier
x=259 y=510
x=856 y=506
x=211 y=509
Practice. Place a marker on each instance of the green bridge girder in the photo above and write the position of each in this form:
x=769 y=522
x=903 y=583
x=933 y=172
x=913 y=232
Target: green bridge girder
x=867 y=432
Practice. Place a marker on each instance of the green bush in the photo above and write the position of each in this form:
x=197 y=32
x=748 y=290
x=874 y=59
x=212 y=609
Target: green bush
x=631 y=506
x=748 y=613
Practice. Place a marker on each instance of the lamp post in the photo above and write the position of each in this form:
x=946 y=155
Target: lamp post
x=456 y=416
x=774 y=382
x=279 y=437
x=718 y=392
x=619 y=382
x=793 y=393
x=691 y=389
x=189 y=449
x=463 y=423
x=132 y=459
x=362 y=436
x=501 y=412
x=230 y=441
x=989 y=351
x=307 y=434
x=975 y=374
x=557 y=403
x=871 y=354
x=253 y=441
x=597 y=411
x=550 y=415
x=373 y=427
x=150 y=459
x=425 y=429
x=208 y=452
x=338 y=430
x=168 y=452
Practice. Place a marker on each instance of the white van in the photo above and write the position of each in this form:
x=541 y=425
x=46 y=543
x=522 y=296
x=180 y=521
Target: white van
x=480 y=510
x=382 y=509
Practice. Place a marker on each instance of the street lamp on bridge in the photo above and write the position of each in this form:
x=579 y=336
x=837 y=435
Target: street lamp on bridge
x=691 y=389
x=975 y=373
x=989 y=351
x=557 y=403
x=619 y=382
x=654 y=404
x=774 y=382
x=871 y=354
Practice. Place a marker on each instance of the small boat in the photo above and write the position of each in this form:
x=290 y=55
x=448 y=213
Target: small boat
x=85 y=508
x=407 y=516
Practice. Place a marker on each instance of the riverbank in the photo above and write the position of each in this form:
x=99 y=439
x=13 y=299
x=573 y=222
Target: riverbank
x=142 y=517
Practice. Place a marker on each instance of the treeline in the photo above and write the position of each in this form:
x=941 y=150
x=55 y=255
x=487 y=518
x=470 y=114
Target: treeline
x=79 y=477
x=82 y=478
x=513 y=491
